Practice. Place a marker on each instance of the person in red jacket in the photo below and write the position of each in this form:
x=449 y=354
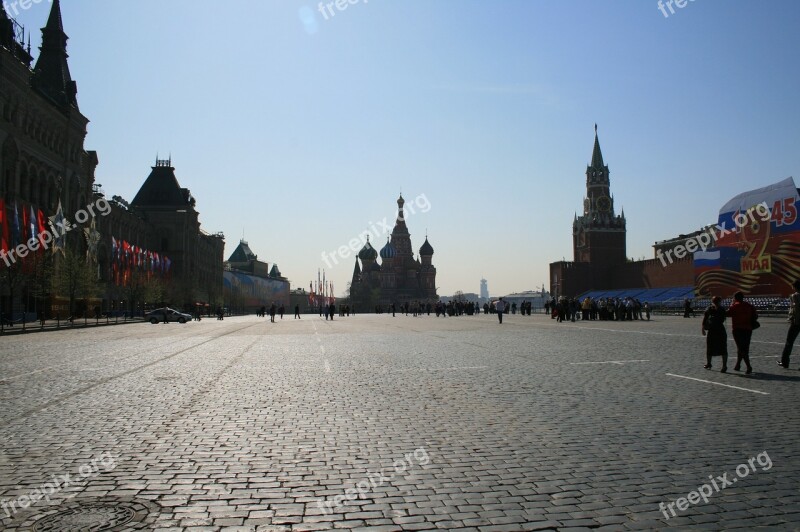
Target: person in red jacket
x=742 y=315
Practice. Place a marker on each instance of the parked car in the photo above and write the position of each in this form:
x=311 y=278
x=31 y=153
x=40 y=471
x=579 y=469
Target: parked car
x=161 y=315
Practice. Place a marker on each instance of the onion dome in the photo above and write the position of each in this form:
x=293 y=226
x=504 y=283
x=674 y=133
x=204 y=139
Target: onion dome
x=388 y=251
x=368 y=252
x=426 y=250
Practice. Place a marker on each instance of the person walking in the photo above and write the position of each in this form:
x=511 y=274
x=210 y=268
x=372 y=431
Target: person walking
x=332 y=310
x=713 y=328
x=272 y=313
x=297 y=312
x=500 y=307
x=742 y=315
x=794 y=325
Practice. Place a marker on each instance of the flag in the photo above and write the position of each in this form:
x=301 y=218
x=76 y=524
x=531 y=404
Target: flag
x=42 y=225
x=5 y=226
x=16 y=235
x=33 y=224
x=23 y=233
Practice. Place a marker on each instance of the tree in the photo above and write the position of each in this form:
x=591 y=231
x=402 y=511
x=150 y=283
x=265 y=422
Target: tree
x=76 y=278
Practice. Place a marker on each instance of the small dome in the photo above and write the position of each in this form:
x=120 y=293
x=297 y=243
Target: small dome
x=426 y=250
x=388 y=251
x=368 y=252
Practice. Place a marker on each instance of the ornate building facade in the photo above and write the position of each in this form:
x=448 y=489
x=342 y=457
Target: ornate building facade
x=399 y=277
x=47 y=174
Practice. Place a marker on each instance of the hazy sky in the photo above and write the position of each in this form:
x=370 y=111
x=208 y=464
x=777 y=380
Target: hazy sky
x=300 y=131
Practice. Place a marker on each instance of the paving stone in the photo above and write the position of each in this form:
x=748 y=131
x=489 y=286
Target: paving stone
x=240 y=425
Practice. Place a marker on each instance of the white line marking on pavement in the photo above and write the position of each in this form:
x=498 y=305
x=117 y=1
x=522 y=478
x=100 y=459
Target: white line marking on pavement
x=618 y=362
x=717 y=383
x=441 y=369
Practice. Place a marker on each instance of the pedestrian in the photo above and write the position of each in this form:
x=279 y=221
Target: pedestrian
x=713 y=328
x=272 y=313
x=297 y=312
x=646 y=308
x=332 y=310
x=687 y=307
x=500 y=307
x=794 y=324
x=742 y=315
x=281 y=310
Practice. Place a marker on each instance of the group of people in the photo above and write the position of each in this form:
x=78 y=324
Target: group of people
x=453 y=308
x=744 y=320
x=276 y=310
x=604 y=309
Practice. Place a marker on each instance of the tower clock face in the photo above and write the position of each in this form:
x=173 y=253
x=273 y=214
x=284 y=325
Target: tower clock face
x=603 y=204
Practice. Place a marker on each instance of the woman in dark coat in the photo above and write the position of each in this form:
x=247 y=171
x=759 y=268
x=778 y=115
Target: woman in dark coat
x=717 y=338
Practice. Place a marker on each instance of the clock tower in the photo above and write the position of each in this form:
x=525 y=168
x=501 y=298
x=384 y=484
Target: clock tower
x=599 y=235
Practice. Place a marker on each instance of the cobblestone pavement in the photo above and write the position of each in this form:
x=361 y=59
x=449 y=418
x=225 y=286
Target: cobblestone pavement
x=381 y=423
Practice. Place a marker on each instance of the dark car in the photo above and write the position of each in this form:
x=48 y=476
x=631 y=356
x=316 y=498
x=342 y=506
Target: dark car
x=161 y=315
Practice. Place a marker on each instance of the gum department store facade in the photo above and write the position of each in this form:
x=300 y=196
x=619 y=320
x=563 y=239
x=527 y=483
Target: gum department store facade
x=43 y=162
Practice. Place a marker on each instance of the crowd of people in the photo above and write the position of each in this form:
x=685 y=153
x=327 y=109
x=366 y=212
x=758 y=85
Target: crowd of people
x=452 y=308
x=604 y=309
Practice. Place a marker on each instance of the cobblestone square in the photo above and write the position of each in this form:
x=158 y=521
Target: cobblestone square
x=380 y=423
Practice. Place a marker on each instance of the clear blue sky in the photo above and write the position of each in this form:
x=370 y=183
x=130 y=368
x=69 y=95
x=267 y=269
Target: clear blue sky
x=300 y=135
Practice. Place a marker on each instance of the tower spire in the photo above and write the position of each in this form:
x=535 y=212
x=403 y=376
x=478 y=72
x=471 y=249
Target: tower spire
x=51 y=74
x=597 y=154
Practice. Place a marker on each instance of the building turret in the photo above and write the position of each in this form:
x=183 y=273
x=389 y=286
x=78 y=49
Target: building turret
x=51 y=74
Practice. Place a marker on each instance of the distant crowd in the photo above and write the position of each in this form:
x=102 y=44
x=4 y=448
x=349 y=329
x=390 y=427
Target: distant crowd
x=604 y=309
x=451 y=308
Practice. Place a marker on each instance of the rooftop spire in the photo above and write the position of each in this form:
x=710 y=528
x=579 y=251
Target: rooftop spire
x=597 y=154
x=51 y=73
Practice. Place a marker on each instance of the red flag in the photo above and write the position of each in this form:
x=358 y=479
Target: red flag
x=40 y=220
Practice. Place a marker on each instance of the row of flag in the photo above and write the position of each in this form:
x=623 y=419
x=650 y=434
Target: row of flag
x=322 y=294
x=127 y=259
x=20 y=223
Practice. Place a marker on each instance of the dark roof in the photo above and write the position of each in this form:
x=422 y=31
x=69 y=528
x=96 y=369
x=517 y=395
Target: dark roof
x=161 y=189
x=242 y=253
x=426 y=250
x=275 y=272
